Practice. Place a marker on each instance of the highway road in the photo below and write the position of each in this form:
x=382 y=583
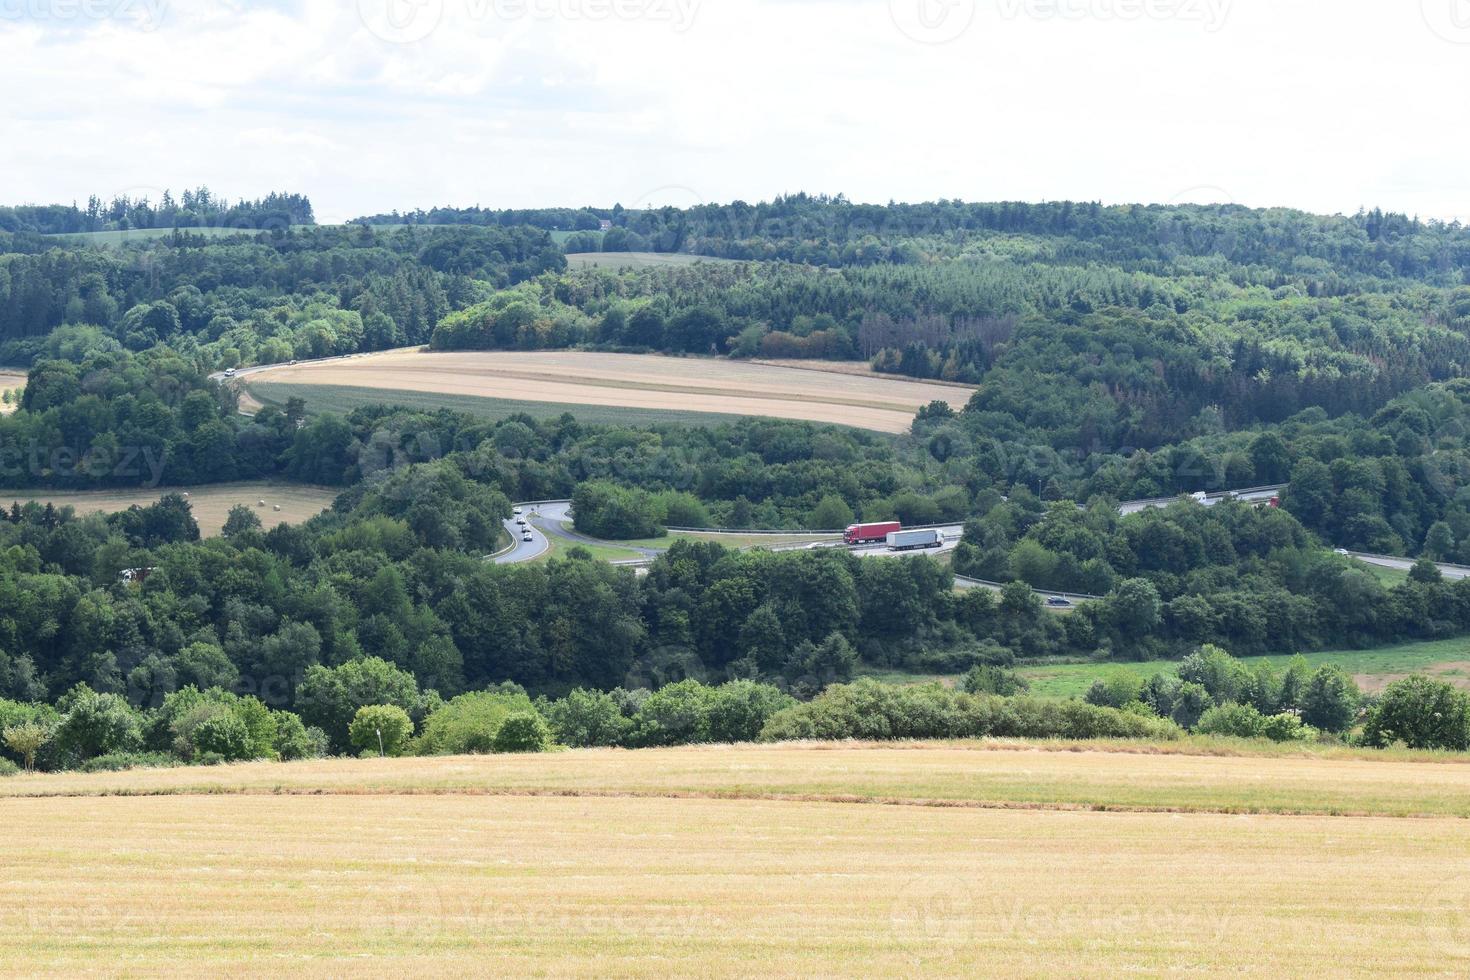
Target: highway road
x=548 y=519
x=539 y=544
x=1259 y=495
x=246 y=372
x=1451 y=572
x=221 y=377
x=1253 y=495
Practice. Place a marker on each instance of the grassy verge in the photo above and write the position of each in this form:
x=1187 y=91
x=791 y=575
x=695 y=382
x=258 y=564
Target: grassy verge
x=1373 y=669
x=601 y=552
x=1388 y=576
x=908 y=677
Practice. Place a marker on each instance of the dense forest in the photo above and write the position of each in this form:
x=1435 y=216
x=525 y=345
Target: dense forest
x=255 y=298
x=819 y=230
x=1115 y=353
x=198 y=208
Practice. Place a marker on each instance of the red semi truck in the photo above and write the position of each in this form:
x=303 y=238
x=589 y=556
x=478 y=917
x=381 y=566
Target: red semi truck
x=871 y=533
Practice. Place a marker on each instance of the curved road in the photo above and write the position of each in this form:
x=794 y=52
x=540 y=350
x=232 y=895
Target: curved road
x=547 y=518
x=221 y=377
x=524 y=550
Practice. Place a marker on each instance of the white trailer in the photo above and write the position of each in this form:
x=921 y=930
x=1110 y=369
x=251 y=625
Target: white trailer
x=914 y=540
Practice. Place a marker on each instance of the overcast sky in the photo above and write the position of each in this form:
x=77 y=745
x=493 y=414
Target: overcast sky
x=370 y=105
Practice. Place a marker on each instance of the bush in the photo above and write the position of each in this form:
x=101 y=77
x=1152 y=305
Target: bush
x=524 y=731
x=26 y=740
x=295 y=741
x=674 y=715
x=1221 y=675
x=1421 y=713
x=691 y=713
x=95 y=724
x=14 y=714
x=586 y=719
x=224 y=735
x=1232 y=720
x=216 y=723
x=1287 y=727
x=380 y=729
x=468 y=724
x=740 y=709
x=1117 y=689
x=955 y=659
x=1330 y=700
x=1191 y=701
x=868 y=709
x=330 y=697
x=683 y=510
x=606 y=510
x=987 y=679
x=8 y=768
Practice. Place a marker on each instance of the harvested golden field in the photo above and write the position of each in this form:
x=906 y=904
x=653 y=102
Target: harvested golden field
x=677 y=862
x=706 y=385
x=1184 y=777
x=859 y=369
x=211 y=504
x=562 y=886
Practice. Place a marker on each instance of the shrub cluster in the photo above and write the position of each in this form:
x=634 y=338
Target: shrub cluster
x=1215 y=693
x=94 y=731
x=684 y=713
x=868 y=709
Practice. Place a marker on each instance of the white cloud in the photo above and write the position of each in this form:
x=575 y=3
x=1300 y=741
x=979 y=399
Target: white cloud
x=1315 y=104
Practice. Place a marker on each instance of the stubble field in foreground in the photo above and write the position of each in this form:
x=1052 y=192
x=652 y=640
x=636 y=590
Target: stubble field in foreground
x=681 y=861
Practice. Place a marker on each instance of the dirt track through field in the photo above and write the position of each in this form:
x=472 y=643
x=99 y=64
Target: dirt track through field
x=642 y=381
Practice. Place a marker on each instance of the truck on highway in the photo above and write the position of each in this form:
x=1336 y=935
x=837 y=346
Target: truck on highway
x=914 y=540
x=870 y=533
